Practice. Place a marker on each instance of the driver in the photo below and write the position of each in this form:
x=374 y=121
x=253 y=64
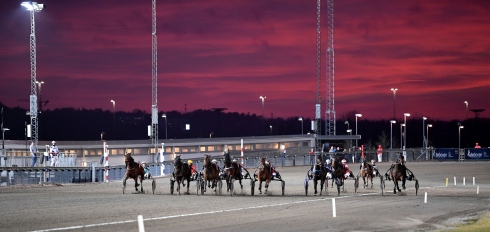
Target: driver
x=375 y=168
x=54 y=152
x=273 y=169
x=235 y=161
x=192 y=168
x=146 y=170
x=346 y=167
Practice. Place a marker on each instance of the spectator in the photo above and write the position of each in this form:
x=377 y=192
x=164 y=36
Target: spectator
x=54 y=153
x=380 y=153
x=477 y=145
x=33 y=149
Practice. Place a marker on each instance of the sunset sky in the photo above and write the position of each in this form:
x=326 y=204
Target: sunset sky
x=227 y=53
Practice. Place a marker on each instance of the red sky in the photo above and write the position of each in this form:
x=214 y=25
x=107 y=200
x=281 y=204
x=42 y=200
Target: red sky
x=225 y=54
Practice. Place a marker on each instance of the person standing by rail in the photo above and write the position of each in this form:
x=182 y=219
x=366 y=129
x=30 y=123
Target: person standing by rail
x=33 y=149
x=54 y=153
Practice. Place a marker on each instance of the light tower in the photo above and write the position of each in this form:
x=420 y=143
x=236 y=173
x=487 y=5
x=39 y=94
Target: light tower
x=154 y=86
x=330 y=100
x=317 y=126
x=33 y=7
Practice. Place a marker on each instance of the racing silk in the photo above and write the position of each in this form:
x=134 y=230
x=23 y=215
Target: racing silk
x=193 y=169
x=347 y=170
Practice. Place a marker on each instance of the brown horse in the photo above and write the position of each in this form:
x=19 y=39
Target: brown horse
x=339 y=171
x=133 y=170
x=232 y=172
x=264 y=173
x=181 y=173
x=211 y=173
x=319 y=173
x=366 y=173
x=398 y=173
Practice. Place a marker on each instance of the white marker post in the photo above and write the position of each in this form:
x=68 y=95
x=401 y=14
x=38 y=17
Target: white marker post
x=464 y=180
x=425 y=199
x=478 y=189
x=473 y=180
x=106 y=163
x=334 y=211
x=141 y=225
x=454 y=180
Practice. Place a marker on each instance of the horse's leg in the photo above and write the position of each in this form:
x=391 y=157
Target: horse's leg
x=322 y=182
x=178 y=186
x=395 y=183
x=403 y=182
x=260 y=186
x=141 y=181
x=267 y=186
x=136 y=183
x=315 y=182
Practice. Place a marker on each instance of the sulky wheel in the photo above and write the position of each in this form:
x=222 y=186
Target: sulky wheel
x=416 y=187
x=202 y=186
x=172 y=183
x=306 y=187
x=283 y=185
x=153 y=186
x=198 y=186
x=220 y=187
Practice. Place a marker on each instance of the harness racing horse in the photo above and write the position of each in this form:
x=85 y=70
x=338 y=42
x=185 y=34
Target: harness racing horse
x=211 y=173
x=338 y=171
x=366 y=173
x=181 y=173
x=264 y=173
x=232 y=172
x=133 y=170
x=398 y=173
x=319 y=174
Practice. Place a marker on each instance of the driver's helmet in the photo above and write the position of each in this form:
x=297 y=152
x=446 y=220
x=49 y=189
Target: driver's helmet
x=235 y=160
x=267 y=162
x=372 y=161
x=54 y=142
x=344 y=161
x=143 y=163
x=214 y=161
x=189 y=162
x=328 y=161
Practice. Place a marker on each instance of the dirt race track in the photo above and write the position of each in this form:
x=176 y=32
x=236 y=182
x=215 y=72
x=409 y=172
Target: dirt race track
x=103 y=206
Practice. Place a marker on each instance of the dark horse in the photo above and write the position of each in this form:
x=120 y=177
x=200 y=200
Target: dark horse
x=181 y=173
x=366 y=173
x=264 y=173
x=232 y=172
x=319 y=173
x=133 y=170
x=211 y=172
x=338 y=173
x=398 y=172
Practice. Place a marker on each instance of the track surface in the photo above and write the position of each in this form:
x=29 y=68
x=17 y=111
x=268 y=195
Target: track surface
x=103 y=206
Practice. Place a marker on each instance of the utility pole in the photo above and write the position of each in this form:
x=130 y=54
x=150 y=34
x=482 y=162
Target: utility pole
x=317 y=127
x=330 y=101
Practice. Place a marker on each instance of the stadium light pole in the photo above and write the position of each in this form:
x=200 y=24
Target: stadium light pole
x=427 y=143
x=391 y=133
x=33 y=7
x=423 y=131
x=165 y=116
x=405 y=115
x=466 y=103
x=394 y=101
x=459 y=136
x=350 y=141
x=357 y=116
x=401 y=135
x=301 y=119
x=114 y=117
x=262 y=98
x=3 y=139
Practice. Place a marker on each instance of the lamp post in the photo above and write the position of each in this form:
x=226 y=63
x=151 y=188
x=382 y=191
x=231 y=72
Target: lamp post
x=459 y=135
x=391 y=133
x=350 y=141
x=423 y=131
x=114 y=117
x=301 y=119
x=3 y=139
x=33 y=7
x=466 y=103
x=405 y=115
x=262 y=98
x=39 y=84
x=394 y=101
x=401 y=135
x=357 y=116
x=427 y=143
x=165 y=116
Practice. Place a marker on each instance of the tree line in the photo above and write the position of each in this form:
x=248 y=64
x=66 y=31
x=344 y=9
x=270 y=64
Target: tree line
x=69 y=124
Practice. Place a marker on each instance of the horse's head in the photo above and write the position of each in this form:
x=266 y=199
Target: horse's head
x=177 y=161
x=207 y=159
x=128 y=159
